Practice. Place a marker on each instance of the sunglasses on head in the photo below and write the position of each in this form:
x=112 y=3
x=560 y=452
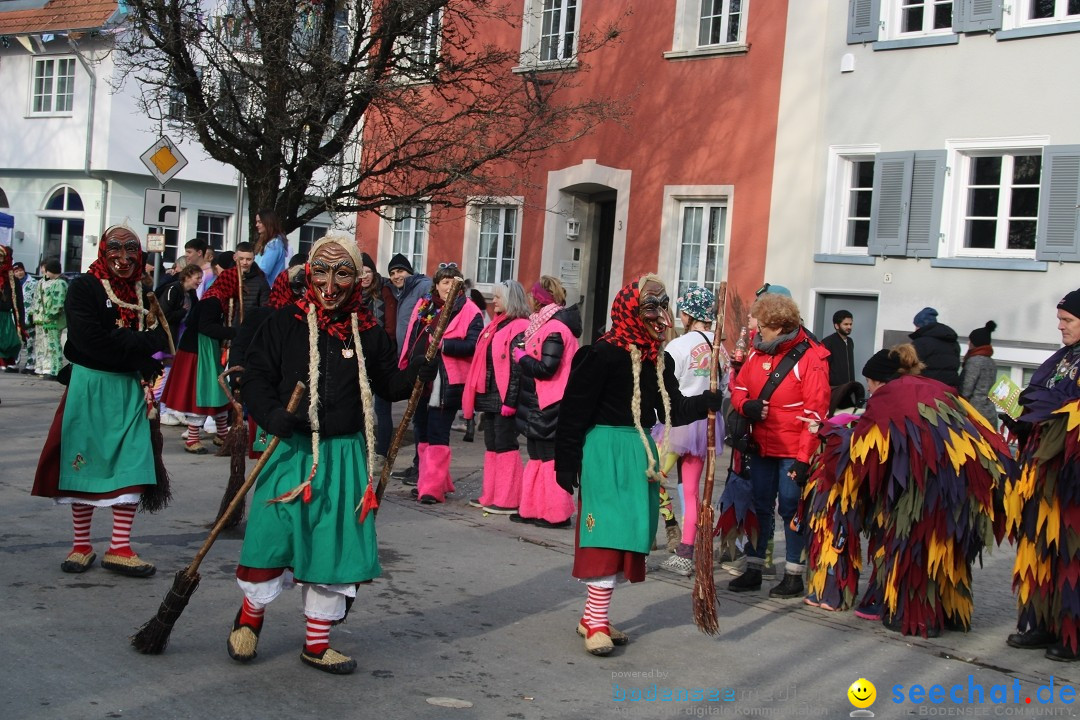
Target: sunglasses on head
x=762 y=290
x=443 y=266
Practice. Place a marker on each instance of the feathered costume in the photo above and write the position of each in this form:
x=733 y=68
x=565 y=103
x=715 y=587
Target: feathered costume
x=1043 y=502
x=922 y=473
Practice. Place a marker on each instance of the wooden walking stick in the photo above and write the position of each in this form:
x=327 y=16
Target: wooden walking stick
x=152 y=637
x=704 y=583
x=418 y=389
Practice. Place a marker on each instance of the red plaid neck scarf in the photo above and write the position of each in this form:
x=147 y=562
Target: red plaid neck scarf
x=126 y=290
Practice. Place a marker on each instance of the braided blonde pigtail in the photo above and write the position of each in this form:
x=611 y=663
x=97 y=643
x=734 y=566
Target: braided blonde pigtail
x=313 y=409
x=635 y=408
x=367 y=402
x=665 y=400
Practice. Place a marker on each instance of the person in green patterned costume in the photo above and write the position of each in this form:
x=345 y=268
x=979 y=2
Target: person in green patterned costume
x=310 y=515
x=613 y=394
x=48 y=311
x=99 y=451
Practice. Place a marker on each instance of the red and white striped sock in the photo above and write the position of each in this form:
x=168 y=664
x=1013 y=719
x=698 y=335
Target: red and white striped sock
x=222 y=422
x=192 y=436
x=123 y=517
x=81 y=515
x=318 y=635
x=252 y=615
x=596 y=609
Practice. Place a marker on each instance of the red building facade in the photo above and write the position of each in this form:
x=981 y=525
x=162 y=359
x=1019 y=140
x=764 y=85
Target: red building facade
x=681 y=187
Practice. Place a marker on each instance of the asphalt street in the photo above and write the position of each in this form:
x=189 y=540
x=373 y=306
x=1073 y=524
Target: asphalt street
x=473 y=617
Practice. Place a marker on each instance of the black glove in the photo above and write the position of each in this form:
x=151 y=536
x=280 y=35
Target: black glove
x=1020 y=428
x=752 y=409
x=150 y=368
x=567 y=479
x=281 y=423
x=713 y=400
x=426 y=371
x=799 y=472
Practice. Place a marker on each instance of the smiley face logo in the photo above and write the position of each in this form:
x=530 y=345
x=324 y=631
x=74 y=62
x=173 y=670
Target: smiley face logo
x=862 y=693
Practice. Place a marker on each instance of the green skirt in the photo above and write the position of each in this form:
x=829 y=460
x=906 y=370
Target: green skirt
x=105 y=436
x=619 y=506
x=10 y=342
x=322 y=540
x=208 y=392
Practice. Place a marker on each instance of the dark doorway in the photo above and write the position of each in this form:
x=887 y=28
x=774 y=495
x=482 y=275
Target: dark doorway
x=864 y=319
x=600 y=282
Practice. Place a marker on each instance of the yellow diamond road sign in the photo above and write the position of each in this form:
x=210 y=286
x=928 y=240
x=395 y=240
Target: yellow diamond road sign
x=164 y=159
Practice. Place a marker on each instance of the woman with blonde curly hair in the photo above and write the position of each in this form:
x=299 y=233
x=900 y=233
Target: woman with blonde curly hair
x=797 y=367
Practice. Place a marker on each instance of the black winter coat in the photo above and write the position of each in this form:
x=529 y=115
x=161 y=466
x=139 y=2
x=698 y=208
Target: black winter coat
x=939 y=350
x=532 y=421
x=206 y=318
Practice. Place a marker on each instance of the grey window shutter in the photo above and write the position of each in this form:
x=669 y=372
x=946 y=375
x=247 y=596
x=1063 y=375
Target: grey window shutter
x=889 y=206
x=863 y=20
x=976 y=15
x=1058 y=236
x=924 y=213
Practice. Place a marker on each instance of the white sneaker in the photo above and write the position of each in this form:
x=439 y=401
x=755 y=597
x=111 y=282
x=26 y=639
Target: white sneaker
x=678 y=565
x=167 y=418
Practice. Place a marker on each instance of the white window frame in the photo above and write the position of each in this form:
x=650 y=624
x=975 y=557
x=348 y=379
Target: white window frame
x=420 y=55
x=952 y=211
x=416 y=237
x=676 y=199
x=684 y=42
x=310 y=229
x=208 y=234
x=837 y=197
x=892 y=12
x=532 y=28
x=1017 y=14
x=471 y=244
x=53 y=94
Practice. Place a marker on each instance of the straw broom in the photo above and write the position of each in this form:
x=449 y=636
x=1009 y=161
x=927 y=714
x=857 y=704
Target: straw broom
x=704 y=583
x=418 y=389
x=234 y=447
x=152 y=637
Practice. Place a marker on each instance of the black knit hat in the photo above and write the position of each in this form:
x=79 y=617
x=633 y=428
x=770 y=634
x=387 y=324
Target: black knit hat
x=224 y=260
x=399 y=261
x=883 y=366
x=1071 y=303
x=368 y=263
x=980 y=337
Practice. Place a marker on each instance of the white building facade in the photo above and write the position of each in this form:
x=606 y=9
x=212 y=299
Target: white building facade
x=928 y=154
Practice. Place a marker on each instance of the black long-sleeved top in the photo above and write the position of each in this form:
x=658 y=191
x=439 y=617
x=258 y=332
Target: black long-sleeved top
x=600 y=391
x=841 y=359
x=206 y=318
x=94 y=340
x=172 y=297
x=278 y=357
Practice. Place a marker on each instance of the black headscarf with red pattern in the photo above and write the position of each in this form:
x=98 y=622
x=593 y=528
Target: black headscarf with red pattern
x=127 y=290
x=627 y=327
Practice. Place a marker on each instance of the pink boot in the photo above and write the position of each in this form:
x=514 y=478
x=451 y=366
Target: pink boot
x=532 y=493
x=558 y=505
x=506 y=494
x=487 y=492
x=434 y=481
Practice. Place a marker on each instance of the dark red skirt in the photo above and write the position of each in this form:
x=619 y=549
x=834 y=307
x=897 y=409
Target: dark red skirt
x=179 y=392
x=594 y=562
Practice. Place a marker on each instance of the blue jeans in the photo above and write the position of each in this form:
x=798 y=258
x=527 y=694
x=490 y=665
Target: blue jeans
x=769 y=479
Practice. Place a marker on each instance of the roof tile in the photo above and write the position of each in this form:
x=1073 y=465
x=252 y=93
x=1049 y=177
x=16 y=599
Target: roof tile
x=58 y=15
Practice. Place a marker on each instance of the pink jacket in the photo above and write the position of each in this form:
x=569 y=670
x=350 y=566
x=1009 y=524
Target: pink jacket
x=499 y=341
x=456 y=368
x=550 y=391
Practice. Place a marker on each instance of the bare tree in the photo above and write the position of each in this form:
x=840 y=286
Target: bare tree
x=347 y=106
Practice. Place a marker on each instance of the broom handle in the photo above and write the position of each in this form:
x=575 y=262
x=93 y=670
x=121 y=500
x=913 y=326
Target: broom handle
x=225 y=388
x=714 y=373
x=155 y=308
x=294 y=403
x=418 y=389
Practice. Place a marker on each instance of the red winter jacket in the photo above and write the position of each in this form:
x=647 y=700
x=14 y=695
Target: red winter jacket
x=804 y=392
